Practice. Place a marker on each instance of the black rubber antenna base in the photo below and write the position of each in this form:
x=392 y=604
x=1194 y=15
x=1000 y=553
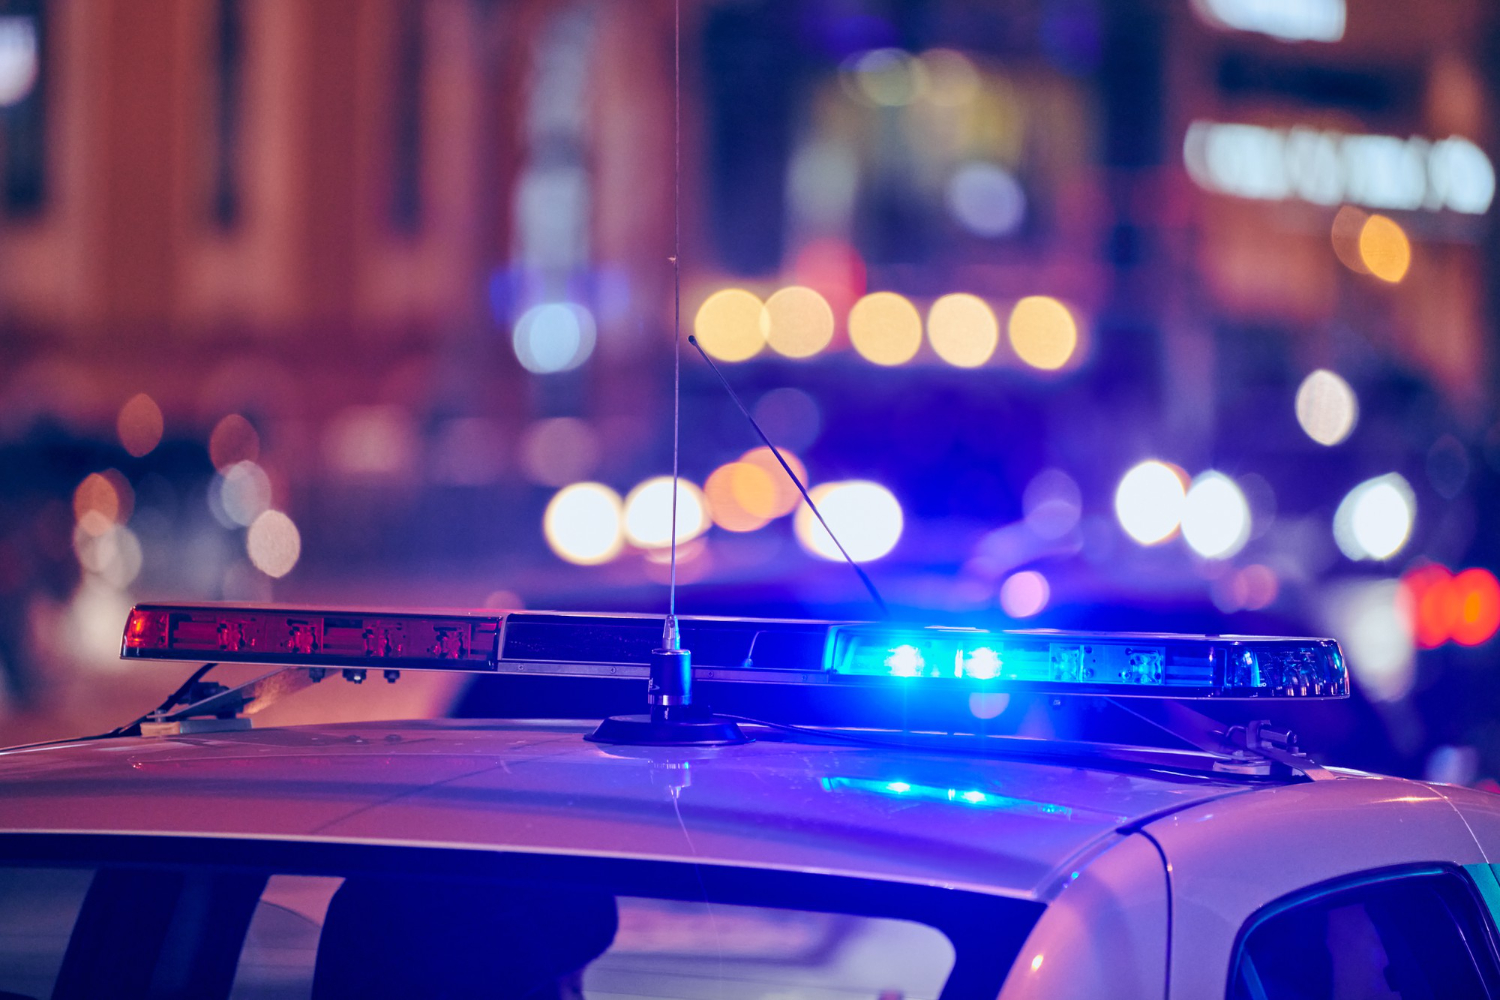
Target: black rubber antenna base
x=662 y=731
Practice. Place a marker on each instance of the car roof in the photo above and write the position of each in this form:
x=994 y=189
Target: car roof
x=1012 y=827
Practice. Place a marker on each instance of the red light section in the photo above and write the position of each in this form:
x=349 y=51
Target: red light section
x=1464 y=608
x=333 y=638
x=145 y=629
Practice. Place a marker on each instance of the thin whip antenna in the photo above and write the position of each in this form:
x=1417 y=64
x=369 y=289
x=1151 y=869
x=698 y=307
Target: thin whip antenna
x=669 y=627
x=863 y=576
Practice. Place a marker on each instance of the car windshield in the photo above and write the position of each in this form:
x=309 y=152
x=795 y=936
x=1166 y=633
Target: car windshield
x=172 y=917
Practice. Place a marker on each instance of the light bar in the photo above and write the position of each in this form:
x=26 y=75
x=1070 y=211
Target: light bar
x=908 y=659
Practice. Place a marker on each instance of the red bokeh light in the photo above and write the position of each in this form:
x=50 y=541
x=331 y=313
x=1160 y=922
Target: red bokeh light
x=834 y=269
x=1431 y=604
x=1478 y=606
x=1464 y=608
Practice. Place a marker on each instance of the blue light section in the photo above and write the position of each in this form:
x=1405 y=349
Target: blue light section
x=981 y=663
x=1174 y=666
x=905 y=661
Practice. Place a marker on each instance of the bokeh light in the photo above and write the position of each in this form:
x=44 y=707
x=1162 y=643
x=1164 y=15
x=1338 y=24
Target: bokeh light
x=1431 y=604
x=889 y=78
x=273 y=543
x=1478 y=606
x=234 y=439
x=554 y=337
x=986 y=200
x=740 y=496
x=1043 y=332
x=1461 y=176
x=1024 y=594
x=1052 y=504
x=885 y=328
x=834 y=269
x=1215 y=516
x=784 y=496
x=582 y=524
x=1327 y=408
x=1375 y=518
x=139 y=425
x=648 y=513
x=865 y=516
x=1289 y=20
x=97 y=495
x=1384 y=249
x=242 y=492
x=1376 y=637
x=371 y=441
x=731 y=325
x=1149 y=502
x=1249 y=589
x=798 y=322
x=20 y=58
x=1348 y=221
x=963 y=330
x=952 y=79
x=559 y=451
x=505 y=600
x=113 y=555
x=1441 y=606
x=790 y=417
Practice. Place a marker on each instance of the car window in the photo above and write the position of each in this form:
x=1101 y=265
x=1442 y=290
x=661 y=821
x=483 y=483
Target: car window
x=249 y=932
x=38 y=907
x=1413 y=937
x=660 y=948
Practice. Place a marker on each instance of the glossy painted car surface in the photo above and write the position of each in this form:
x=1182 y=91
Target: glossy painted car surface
x=1148 y=876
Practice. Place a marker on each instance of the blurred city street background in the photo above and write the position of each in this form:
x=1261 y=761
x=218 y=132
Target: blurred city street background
x=1124 y=314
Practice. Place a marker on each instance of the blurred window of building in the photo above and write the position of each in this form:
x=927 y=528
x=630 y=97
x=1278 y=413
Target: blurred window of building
x=408 y=79
x=554 y=194
x=228 y=111
x=23 y=120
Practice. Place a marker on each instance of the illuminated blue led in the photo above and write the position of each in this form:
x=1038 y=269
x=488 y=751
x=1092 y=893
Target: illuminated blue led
x=982 y=664
x=973 y=798
x=905 y=661
x=898 y=787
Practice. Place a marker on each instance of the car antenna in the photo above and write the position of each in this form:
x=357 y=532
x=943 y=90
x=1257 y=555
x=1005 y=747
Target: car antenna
x=864 y=577
x=673 y=719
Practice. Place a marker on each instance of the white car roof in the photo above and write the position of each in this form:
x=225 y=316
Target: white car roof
x=1012 y=827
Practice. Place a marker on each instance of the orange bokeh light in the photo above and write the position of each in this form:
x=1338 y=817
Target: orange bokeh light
x=740 y=495
x=784 y=496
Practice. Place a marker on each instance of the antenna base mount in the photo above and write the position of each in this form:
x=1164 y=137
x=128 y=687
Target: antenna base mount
x=674 y=720
x=669 y=729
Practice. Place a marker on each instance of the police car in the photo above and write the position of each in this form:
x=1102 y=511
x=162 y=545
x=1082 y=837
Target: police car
x=900 y=850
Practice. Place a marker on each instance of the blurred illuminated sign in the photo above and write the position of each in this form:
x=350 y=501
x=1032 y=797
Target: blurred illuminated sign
x=1329 y=168
x=1289 y=20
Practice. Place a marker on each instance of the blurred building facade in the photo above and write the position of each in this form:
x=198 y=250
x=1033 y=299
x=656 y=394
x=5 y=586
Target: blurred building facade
x=986 y=256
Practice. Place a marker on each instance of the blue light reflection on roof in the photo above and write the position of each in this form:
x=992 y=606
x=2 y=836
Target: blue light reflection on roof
x=969 y=797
